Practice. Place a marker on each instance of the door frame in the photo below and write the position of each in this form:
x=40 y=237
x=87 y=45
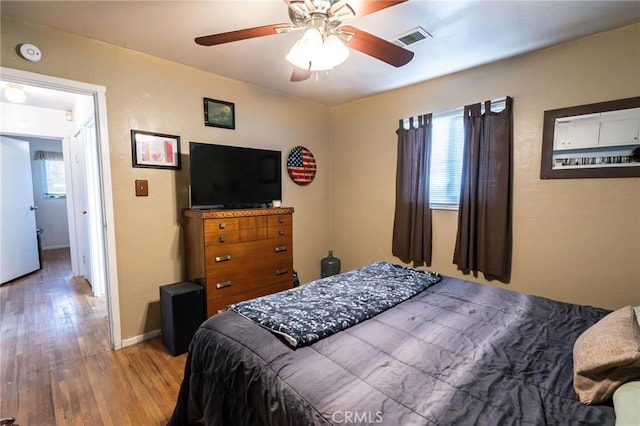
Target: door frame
x=98 y=94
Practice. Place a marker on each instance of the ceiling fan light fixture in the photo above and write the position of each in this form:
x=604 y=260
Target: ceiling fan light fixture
x=313 y=53
x=298 y=57
x=305 y=50
x=312 y=42
x=334 y=50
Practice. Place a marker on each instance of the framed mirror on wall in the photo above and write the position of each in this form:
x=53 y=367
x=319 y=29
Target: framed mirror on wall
x=592 y=141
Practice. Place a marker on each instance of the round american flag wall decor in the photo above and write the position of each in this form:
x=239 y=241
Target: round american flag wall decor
x=301 y=165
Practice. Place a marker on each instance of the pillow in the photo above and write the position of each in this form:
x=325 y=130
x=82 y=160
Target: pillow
x=606 y=355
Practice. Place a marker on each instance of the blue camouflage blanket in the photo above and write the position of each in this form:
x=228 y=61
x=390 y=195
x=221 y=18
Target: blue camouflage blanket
x=308 y=313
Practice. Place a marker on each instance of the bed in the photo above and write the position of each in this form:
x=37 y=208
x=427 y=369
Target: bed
x=453 y=353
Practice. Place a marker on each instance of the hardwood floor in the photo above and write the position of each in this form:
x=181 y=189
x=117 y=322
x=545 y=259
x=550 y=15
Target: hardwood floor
x=55 y=364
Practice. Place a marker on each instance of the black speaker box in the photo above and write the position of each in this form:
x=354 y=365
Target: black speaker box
x=182 y=311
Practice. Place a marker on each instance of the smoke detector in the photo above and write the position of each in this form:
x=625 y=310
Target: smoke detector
x=30 y=52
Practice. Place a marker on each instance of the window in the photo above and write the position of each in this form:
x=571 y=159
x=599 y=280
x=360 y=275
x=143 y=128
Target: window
x=53 y=182
x=447 y=148
x=447 y=144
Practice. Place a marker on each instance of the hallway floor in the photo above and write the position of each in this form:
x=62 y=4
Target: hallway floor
x=55 y=364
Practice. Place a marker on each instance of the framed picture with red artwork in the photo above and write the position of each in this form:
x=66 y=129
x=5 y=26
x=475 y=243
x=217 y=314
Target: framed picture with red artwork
x=155 y=150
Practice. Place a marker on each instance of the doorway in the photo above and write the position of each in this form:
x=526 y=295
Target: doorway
x=32 y=203
x=87 y=165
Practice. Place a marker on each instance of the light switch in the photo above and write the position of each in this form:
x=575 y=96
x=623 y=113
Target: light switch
x=142 y=188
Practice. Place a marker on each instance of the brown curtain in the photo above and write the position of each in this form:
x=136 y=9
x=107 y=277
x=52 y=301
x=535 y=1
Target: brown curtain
x=483 y=242
x=412 y=221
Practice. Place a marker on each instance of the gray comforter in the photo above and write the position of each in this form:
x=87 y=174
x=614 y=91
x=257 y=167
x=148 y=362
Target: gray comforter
x=457 y=353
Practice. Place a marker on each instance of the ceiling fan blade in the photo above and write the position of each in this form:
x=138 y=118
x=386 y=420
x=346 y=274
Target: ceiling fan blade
x=377 y=47
x=364 y=7
x=214 y=39
x=300 y=74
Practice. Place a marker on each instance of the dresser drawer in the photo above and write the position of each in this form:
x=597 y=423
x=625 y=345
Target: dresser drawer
x=280 y=219
x=231 y=276
x=236 y=230
x=226 y=224
x=249 y=259
x=219 y=256
x=226 y=237
x=236 y=223
x=281 y=230
x=255 y=279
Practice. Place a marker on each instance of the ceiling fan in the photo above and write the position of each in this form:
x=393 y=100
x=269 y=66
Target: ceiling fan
x=324 y=43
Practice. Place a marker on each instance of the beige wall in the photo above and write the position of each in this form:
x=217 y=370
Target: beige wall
x=576 y=240
x=147 y=93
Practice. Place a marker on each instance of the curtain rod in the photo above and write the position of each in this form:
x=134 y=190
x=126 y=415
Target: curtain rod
x=458 y=109
x=501 y=99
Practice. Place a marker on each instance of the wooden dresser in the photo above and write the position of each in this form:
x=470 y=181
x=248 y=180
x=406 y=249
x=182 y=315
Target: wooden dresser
x=238 y=254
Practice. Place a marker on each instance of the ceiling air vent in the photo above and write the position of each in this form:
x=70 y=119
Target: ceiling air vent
x=411 y=37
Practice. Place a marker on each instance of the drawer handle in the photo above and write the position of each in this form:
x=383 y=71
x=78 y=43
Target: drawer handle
x=281 y=220
x=223 y=258
x=281 y=271
x=222 y=238
x=223 y=285
x=280 y=249
x=281 y=232
x=222 y=225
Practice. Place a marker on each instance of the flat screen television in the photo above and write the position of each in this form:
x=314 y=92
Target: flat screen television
x=233 y=177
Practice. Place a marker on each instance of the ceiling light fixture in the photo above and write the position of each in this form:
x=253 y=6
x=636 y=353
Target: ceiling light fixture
x=316 y=52
x=15 y=93
x=321 y=47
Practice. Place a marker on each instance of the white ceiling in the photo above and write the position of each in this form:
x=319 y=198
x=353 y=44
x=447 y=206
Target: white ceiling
x=465 y=34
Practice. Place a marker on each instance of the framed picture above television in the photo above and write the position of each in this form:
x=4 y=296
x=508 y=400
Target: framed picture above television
x=219 y=114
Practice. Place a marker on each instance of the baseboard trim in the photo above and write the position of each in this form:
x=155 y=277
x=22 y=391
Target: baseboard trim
x=140 y=338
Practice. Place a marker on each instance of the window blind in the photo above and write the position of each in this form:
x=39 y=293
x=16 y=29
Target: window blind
x=447 y=144
x=48 y=155
x=447 y=149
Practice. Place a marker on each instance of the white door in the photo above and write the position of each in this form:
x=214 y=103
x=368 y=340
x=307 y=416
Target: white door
x=93 y=199
x=18 y=240
x=80 y=209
